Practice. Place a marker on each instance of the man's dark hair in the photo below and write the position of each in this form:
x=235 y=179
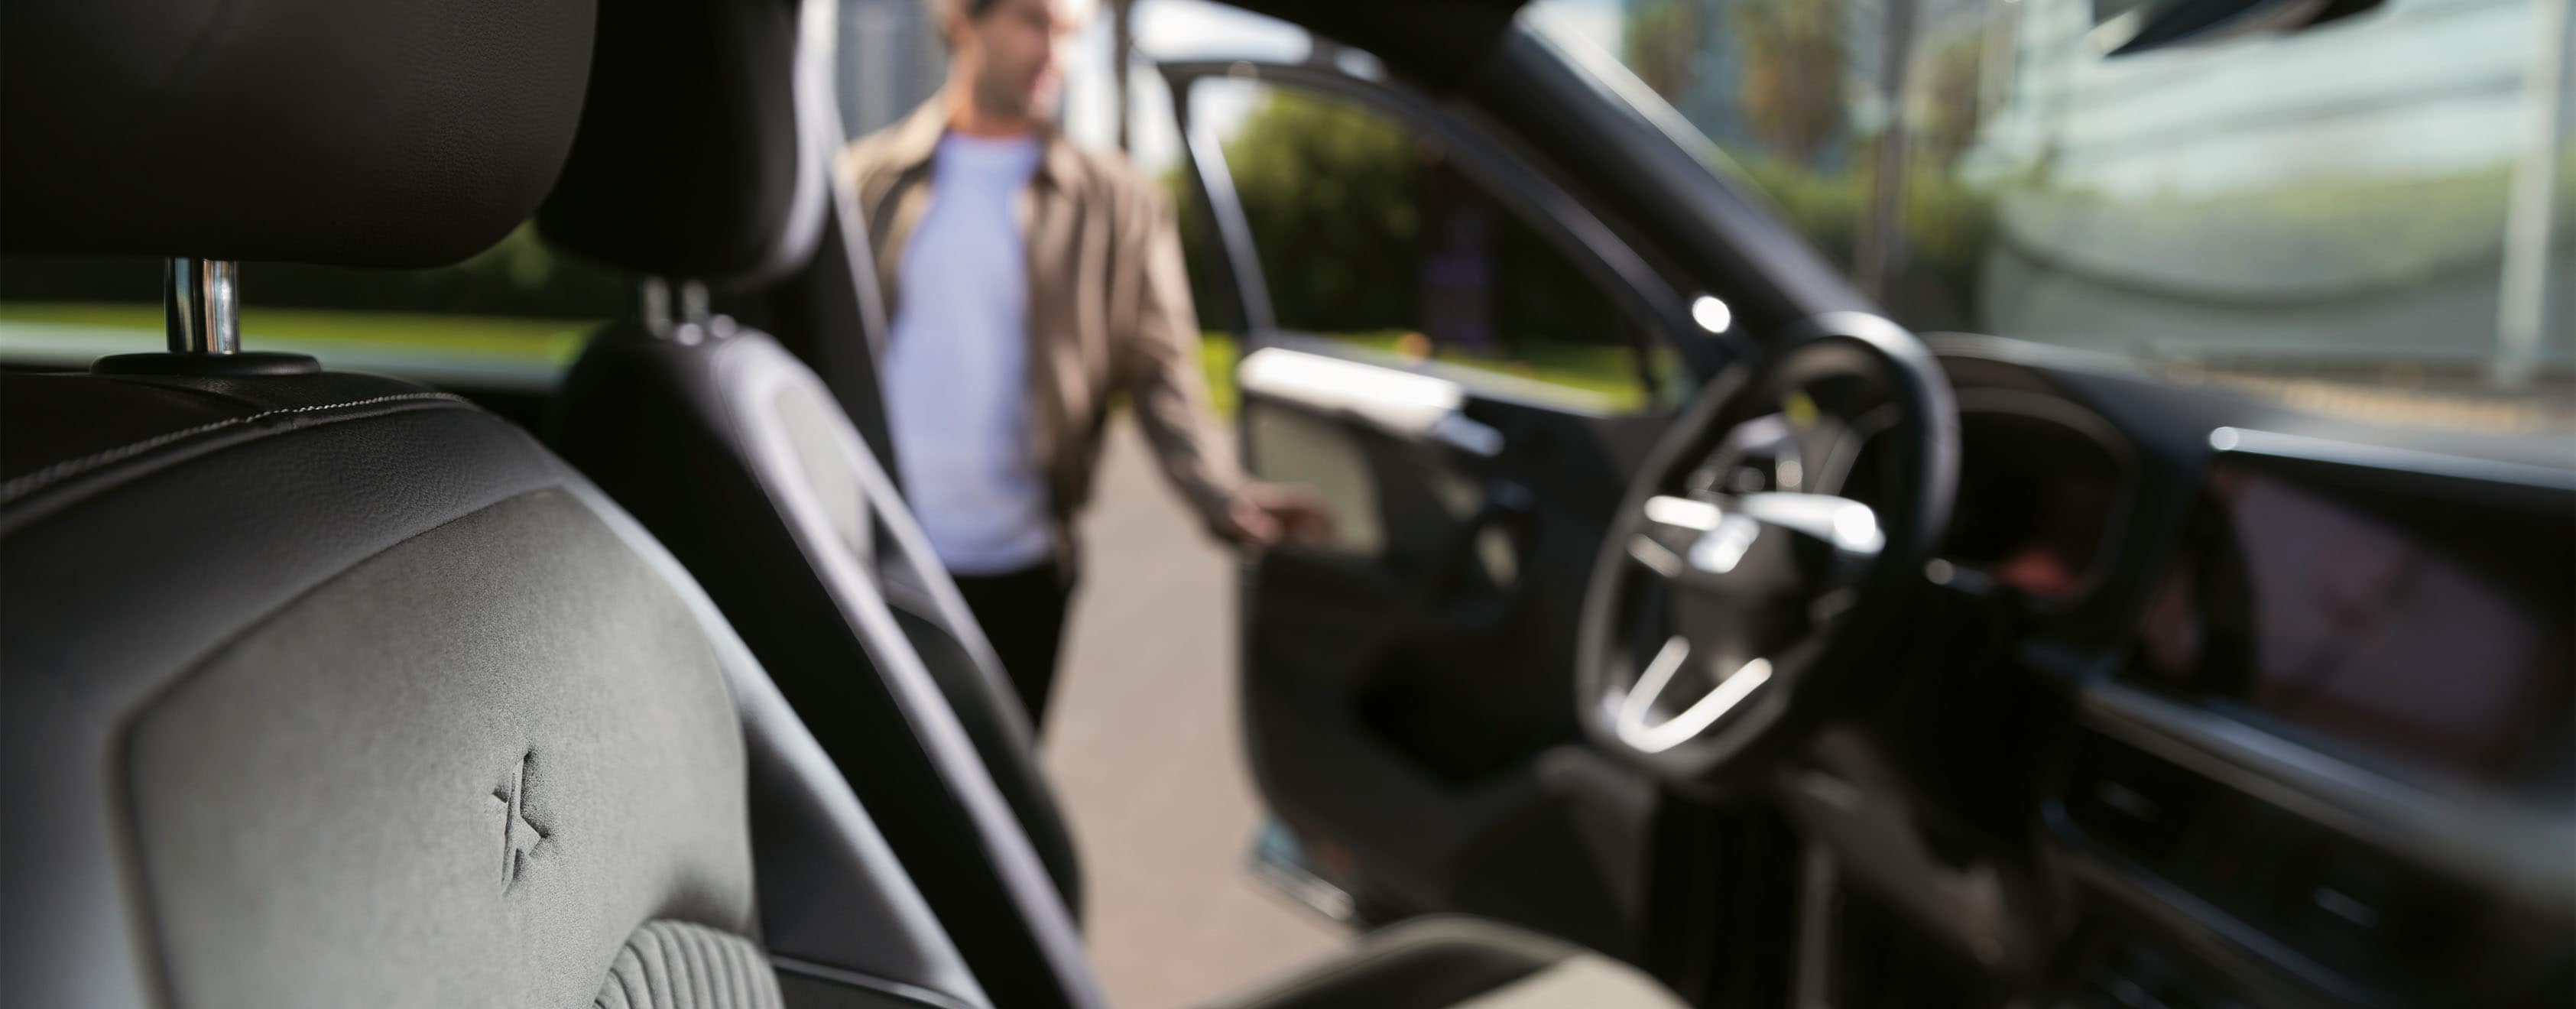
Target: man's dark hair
x=940 y=9
x=974 y=10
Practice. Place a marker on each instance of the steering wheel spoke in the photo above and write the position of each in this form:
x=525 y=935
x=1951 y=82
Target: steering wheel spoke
x=1759 y=586
x=1651 y=553
x=1640 y=727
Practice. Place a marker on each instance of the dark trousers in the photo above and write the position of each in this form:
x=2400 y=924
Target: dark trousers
x=1022 y=613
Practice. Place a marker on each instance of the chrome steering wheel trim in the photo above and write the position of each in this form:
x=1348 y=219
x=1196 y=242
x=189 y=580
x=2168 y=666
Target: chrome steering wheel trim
x=1717 y=624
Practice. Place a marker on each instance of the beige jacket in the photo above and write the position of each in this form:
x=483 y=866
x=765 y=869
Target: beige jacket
x=1109 y=307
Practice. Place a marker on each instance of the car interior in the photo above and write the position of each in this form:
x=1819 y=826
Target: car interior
x=390 y=589
x=1844 y=665
x=778 y=507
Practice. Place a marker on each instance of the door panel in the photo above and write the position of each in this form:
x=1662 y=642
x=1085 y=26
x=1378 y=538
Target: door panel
x=1407 y=686
x=1407 y=689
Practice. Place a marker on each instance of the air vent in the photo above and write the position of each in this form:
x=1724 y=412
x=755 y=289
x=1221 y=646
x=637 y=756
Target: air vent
x=2132 y=802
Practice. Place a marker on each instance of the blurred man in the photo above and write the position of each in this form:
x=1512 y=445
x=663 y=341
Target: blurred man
x=1028 y=282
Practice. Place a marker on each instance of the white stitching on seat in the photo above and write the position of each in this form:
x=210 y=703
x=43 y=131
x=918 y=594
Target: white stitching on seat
x=58 y=472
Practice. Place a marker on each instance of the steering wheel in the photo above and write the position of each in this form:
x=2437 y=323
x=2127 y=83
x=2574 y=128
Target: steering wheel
x=1768 y=549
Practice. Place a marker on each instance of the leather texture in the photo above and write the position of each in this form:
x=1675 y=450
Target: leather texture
x=353 y=132
x=329 y=690
x=670 y=964
x=820 y=307
x=61 y=425
x=701 y=149
x=733 y=453
x=528 y=757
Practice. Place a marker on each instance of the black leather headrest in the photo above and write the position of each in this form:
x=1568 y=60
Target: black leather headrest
x=697 y=156
x=361 y=132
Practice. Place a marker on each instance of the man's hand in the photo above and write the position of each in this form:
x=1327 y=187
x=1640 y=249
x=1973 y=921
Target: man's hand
x=1265 y=515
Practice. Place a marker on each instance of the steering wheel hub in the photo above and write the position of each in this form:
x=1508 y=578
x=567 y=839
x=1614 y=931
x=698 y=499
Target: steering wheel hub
x=1768 y=538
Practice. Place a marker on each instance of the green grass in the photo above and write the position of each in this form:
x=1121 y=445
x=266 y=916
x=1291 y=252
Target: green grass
x=496 y=339
x=1605 y=372
x=1216 y=358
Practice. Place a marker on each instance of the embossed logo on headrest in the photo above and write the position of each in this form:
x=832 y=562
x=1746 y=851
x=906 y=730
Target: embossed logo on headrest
x=521 y=837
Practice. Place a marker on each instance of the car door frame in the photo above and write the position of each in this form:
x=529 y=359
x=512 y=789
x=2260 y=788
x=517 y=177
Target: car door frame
x=1656 y=316
x=1509 y=175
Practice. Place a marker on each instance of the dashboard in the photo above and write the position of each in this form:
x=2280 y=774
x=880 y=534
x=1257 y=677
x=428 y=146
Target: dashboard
x=2393 y=617
x=2387 y=610
x=2039 y=492
x=2264 y=710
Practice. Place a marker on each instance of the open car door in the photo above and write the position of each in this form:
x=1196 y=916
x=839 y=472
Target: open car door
x=1465 y=365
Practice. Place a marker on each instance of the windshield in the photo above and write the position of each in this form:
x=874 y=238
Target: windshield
x=2382 y=207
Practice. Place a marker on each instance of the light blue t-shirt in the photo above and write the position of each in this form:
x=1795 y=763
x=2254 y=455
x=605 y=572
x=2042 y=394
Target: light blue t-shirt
x=957 y=386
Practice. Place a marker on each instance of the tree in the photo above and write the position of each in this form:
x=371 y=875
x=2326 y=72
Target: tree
x=1328 y=190
x=1792 y=83
x=1949 y=114
x=1336 y=198
x=1662 y=44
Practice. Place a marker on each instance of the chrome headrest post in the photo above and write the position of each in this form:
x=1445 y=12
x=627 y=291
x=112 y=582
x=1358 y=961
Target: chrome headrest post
x=698 y=321
x=694 y=302
x=653 y=304
x=199 y=306
x=678 y=310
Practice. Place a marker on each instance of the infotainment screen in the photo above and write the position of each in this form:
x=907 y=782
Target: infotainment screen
x=2412 y=621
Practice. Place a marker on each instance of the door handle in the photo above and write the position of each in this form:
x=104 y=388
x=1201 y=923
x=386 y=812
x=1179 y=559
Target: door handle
x=1469 y=435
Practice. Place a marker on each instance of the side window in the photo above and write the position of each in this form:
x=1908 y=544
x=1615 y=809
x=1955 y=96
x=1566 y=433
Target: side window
x=1855 y=118
x=1372 y=234
x=2384 y=201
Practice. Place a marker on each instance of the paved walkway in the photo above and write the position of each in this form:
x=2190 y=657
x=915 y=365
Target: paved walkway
x=1145 y=749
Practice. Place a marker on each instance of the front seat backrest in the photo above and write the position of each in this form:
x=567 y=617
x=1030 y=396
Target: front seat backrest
x=328 y=689
x=733 y=453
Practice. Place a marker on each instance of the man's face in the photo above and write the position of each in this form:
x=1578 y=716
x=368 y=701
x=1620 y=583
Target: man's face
x=1014 y=54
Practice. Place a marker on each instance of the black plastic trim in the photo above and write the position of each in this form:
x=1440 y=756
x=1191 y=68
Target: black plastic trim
x=2506 y=849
